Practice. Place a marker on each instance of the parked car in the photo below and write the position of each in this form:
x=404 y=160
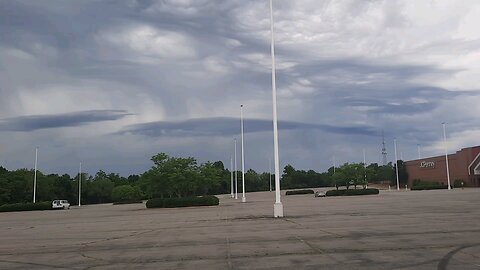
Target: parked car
x=60 y=204
x=320 y=194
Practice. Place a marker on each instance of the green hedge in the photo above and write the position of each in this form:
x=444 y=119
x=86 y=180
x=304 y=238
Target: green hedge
x=128 y=202
x=182 y=202
x=424 y=185
x=352 y=192
x=427 y=187
x=335 y=192
x=26 y=206
x=299 y=192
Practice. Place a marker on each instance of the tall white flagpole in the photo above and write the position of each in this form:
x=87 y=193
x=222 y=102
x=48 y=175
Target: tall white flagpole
x=396 y=163
x=35 y=176
x=235 y=161
x=278 y=206
x=243 y=156
x=446 y=154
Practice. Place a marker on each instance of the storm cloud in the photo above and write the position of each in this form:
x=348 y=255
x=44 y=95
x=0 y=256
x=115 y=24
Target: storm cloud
x=225 y=126
x=112 y=83
x=73 y=119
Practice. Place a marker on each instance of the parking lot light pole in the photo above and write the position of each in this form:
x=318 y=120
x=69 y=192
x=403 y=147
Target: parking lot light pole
x=235 y=166
x=80 y=184
x=446 y=154
x=278 y=206
x=270 y=173
x=365 y=168
x=418 y=150
x=35 y=176
x=243 y=156
x=334 y=165
x=396 y=163
x=231 y=177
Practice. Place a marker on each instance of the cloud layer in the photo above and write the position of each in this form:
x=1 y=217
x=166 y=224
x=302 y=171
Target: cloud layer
x=180 y=70
x=73 y=119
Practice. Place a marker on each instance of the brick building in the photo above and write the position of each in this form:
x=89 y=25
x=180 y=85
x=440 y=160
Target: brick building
x=464 y=165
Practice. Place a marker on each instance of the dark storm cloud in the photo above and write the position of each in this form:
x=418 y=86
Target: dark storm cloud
x=35 y=122
x=227 y=126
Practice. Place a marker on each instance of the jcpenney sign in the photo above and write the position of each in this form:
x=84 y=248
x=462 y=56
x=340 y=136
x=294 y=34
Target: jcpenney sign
x=427 y=164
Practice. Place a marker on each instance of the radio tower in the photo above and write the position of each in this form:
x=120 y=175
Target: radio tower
x=384 y=150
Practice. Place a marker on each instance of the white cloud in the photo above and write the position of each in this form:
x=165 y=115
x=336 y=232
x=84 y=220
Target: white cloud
x=149 y=44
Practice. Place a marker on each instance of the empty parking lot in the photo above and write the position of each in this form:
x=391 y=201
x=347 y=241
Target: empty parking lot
x=394 y=230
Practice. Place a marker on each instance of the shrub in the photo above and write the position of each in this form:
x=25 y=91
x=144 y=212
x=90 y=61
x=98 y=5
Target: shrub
x=298 y=192
x=182 y=202
x=352 y=192
x=458 y=183
x=26 y=206
x=425 y=185
x=365 y=191
x=126 y=194
x=128 y=202
x=335 y=192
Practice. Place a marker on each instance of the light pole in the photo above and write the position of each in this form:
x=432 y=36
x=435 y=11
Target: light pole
x=365 y=168
x=231 y=177
x=235 y=161
x=334 y=180
x=278 y=206
x=334 y=164
x=80 y=184
x=446 y=154
x=396 y=163
x=270 y=172
x=243 y=156
x=418 y=150
x=35 y=176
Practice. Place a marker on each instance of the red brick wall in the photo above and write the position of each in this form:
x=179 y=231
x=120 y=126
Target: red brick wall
x=458 y=165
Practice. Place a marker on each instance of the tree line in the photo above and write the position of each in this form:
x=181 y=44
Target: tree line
x=182 y=177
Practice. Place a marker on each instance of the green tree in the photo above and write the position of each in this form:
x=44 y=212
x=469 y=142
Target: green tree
x=126 y=193
x=174 y=177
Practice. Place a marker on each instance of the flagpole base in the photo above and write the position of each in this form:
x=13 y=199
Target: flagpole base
x=244 y=199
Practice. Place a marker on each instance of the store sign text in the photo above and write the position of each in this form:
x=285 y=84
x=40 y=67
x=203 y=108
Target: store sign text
x=427 y=164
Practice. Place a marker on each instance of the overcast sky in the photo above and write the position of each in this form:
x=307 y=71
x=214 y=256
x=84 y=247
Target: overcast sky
x=111 y=83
